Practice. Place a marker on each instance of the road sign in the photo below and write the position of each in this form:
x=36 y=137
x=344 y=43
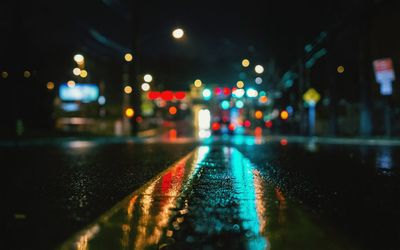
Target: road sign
x=311 y=96
x=384 y=74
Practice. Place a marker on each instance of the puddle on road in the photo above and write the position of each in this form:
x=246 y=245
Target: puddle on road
x=212 y=198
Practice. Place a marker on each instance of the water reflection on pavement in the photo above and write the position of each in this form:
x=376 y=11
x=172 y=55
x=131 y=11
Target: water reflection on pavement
x=213 y=198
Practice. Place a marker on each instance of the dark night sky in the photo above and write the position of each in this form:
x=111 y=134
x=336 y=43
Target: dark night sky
x=219 y=33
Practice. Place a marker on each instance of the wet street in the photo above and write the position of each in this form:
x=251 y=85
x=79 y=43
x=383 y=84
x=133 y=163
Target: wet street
x=221 y=193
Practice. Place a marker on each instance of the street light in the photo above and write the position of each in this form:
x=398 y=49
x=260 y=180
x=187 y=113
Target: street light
x=83 y=73
x=259 y=69
x=76 y=71
x=178 y=33
x=128 y=57
x=148 y=78
x=198 y=83
x=78 y=58
x=245 y=63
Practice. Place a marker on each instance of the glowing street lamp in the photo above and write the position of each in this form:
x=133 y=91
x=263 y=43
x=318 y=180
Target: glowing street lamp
x=76 y=71
x=245 y=63
x=198 y=83
x=128 y=57
x=148 y=78
x=78 y=58
x=259 y=69
x=178 y=33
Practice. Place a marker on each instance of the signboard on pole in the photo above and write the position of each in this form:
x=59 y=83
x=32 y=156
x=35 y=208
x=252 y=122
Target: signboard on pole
x=384 y=75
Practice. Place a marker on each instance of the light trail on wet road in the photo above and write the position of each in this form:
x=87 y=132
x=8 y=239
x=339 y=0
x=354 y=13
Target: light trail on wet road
x=212 y=198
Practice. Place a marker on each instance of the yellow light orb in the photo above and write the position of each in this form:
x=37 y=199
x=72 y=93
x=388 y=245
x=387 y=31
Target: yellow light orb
x=71 y=84
x=198 y=83
x=128 y=57
x=78 y=58
x=245 y=63
x=50 y=85
x=76 y=71
x=240 y=84
x=259 y=69
x=284 y=115
x=148 y=78
x=340 y=69
x=27 y=74
x=128 y=90
x=4 y=74
x=129 y=112
x=178 y=33
x=258 y=114
x=83 y=73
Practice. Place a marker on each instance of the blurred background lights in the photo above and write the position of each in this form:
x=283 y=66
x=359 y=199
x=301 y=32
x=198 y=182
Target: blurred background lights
x=284 y=115
x=76 y=71
x=245 y=63
x=172 y=110
x=340 y=69
x=27 y=74
x=145 y=86
x=71 y=84
x=129 y=112
x=225 y=104
x=178 y=33
x=83 y=73
x=258 y=80
x=251 y=92
x=4 y=74
x=128 y=89
x=238 y=93
x=78 y=58
x=258 y=115
x=259 y=69
x=148 y=78
x=50 y=85
x=128 y=57
x=206 y=94
x=240 y=84
x=101 y=100
x=239 y=104
x=198 y=83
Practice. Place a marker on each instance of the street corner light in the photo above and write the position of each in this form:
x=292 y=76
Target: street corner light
x=148 y=78
x=78 y=58
x=198 y=83
x=83 y=73
x=259 y=69
x=128 y=57
x=178 y=33
x=128 y=90
x=245 y=63
x=76 y=71
x=129 y=112
x=145 y=86
x=50 y=85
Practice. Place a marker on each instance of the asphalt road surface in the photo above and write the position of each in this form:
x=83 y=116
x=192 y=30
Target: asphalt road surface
x=222 y=193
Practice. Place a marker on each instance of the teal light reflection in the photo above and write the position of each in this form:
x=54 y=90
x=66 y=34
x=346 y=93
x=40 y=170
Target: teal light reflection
x=242 y=171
